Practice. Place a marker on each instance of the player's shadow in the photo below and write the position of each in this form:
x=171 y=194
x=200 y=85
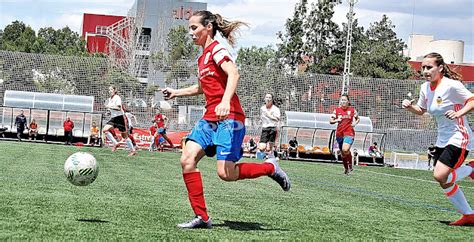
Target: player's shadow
x=93 y=220
x=243 y=226
x=441 y=221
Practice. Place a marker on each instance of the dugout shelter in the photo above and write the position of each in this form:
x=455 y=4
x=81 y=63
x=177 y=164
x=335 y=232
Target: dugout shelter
x=317 y=138
x=49 y=110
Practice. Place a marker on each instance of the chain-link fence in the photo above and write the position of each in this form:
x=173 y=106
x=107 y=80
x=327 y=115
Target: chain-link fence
x=379 y=99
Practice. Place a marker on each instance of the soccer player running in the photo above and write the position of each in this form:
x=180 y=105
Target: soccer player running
x=344 y=116
x=448 y=101
x=270 y=116
x=221 y=130
x=118 y=120
x=162 y=123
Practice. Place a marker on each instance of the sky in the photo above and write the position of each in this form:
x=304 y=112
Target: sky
x=444 y=19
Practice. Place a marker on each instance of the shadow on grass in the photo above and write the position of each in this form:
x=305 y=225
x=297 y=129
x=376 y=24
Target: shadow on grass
x=92 y=220
x=243 y=226
x=443 y=222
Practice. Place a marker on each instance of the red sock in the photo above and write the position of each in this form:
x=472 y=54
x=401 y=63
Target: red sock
x=195 y=188
x=344 y=162
x=112 y=131
x=132 y=139
x=254 y=170
x=349 y=160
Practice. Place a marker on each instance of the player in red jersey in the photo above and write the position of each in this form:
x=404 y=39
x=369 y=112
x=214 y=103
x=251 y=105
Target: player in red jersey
x=221 y=130
x=162 y=123
x=344 y=116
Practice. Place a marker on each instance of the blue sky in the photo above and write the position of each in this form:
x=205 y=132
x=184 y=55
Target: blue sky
x=444 y=19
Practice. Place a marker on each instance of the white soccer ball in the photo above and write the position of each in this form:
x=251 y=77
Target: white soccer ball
x=81 y=169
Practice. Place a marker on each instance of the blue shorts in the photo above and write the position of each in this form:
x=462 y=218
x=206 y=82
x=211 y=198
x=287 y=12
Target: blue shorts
x=345 y=139
x=223 y=138
x=161 y=140
x=161 y=131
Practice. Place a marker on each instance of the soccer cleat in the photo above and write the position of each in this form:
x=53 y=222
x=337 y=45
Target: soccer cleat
x=466 y=219
x=279 y=175
x=114 y=148
x=196 y=223
x=346 y=172
x=472 y=165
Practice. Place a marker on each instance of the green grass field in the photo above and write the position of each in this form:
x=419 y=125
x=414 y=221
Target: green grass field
x=144 y=197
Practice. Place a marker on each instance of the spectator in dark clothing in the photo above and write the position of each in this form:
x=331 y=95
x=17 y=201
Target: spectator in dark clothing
x=293 y=147
x=20 y=123
x=431 y=152
x=68 y=127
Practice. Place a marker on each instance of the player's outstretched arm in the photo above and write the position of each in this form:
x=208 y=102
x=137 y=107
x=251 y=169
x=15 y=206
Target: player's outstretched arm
x=408 y=104
x=170 y=93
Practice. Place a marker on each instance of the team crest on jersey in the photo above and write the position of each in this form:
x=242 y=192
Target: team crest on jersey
x=206 y=58
x=439 y=100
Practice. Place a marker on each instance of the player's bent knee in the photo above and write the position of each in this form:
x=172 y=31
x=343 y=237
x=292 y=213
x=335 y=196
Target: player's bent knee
x=187 y=163
x=440 y=178
x=226 y=177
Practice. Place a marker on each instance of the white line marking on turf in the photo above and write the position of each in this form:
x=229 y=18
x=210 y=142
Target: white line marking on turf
x=407 y=177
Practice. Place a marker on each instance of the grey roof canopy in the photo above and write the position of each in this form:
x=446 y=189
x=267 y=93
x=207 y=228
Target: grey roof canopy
x=50 y=101
x=321 y=121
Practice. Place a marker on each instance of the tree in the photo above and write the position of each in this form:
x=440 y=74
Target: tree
x=321 y=32
x=18 y=37
x=256 y=56
x=380 y=53
x=173 y=60
x=292 y=46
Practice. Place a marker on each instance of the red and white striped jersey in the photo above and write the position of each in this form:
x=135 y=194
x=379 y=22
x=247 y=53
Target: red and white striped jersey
x=448 y=95
x=213 y=81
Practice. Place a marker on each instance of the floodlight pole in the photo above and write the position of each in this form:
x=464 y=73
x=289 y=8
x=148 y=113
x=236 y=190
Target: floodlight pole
x=346 y=75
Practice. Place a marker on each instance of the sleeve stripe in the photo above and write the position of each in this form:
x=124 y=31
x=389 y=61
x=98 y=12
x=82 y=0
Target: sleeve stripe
x=468 y=100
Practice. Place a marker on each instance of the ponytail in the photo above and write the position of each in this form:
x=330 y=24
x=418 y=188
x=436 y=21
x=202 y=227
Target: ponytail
x=225 y=27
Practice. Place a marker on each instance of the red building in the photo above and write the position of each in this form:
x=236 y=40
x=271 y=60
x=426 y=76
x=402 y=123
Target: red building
x=94 y=31
x=466 y=70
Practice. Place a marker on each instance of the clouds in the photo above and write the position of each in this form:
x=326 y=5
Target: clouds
x=445 y=19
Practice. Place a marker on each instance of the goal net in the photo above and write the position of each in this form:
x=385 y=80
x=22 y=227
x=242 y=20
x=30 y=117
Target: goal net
x=405 y=160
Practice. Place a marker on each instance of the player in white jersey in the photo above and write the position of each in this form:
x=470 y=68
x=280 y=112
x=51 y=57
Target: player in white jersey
x=448 y=101
x=270 y=117
x=117 y=120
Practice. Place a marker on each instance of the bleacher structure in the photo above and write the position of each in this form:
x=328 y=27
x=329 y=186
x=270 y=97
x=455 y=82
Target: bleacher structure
x=317 y=141
x=49 y=111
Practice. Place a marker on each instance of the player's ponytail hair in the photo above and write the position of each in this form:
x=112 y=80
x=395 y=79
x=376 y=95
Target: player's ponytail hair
x=225 y=27
x=447 y=72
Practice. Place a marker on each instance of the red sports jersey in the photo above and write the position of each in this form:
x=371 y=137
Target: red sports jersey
x=160 y=122
x=344 y=128
x=153 y=129
x=213 y=82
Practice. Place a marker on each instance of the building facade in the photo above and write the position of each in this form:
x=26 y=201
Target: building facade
x=130 y=41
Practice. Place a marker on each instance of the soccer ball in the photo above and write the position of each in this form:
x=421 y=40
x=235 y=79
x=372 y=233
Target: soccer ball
x=81 y=169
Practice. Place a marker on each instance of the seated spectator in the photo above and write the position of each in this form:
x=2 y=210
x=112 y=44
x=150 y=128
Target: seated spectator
x=293 y=147
x=33 y=131
x=252 y=145
x=94 y=136
x=374 y=152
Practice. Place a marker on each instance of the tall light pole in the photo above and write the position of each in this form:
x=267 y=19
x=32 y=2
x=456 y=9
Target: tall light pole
x=346 y=75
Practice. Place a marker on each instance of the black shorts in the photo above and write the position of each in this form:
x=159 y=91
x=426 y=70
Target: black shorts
x=268 y=135
x=450 y=155
x=118 y=122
